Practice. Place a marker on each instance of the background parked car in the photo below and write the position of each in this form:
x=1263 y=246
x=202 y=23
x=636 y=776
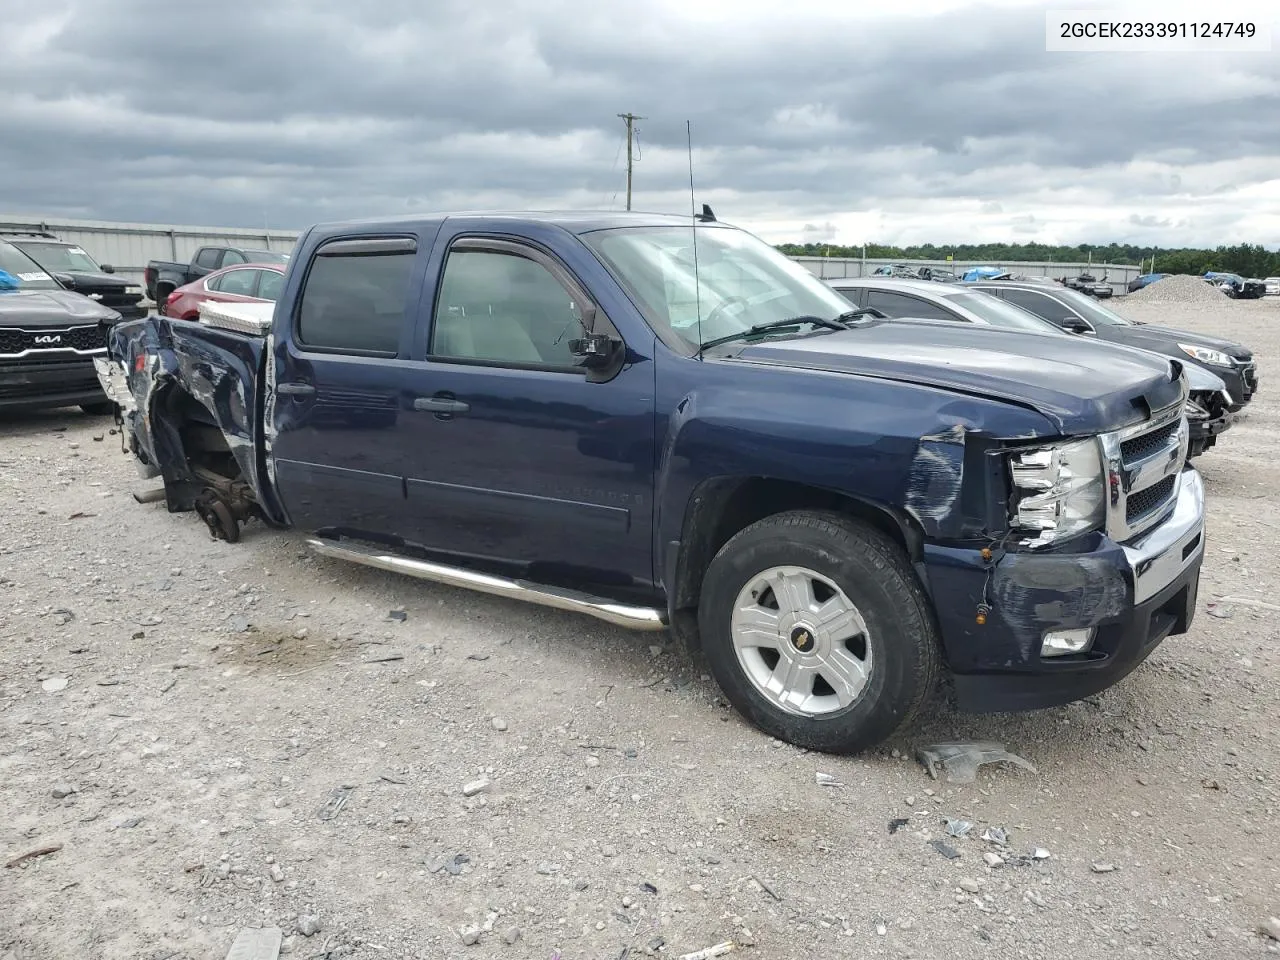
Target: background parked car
x=909 y=272
x=1076 y=313
x=49 y=338
x=1207 y=410
x=75 y=270
x=165 y=276
x=899 y=298
x=1234 y=285
x=1087 y=283
x=1273 y=286
x=238 y=284
x=999 y=273
x=1137 y=283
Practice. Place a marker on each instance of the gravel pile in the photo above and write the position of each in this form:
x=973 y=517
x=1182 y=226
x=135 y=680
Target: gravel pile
x=1178 y=288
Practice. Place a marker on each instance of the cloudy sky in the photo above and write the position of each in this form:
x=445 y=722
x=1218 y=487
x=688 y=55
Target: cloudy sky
x=938 y=120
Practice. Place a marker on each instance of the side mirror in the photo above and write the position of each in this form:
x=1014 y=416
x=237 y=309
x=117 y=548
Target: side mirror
x=595 y=349
x=1076 y=325
x=64 y=280
x=106 y=268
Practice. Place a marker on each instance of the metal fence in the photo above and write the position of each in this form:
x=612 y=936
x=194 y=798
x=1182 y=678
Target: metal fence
x=835 y=268
x=128 y=246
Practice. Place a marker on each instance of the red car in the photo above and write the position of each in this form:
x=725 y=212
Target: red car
x=245 y=282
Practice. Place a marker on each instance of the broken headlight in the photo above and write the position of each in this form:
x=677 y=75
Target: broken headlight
x=1058 y=491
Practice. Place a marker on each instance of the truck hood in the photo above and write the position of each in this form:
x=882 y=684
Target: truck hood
x=1080 y=386
x=38 y=309
x=102 y=282
x=1153 y=336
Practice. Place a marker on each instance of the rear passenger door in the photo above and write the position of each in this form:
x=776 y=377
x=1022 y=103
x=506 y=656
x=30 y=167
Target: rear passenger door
x=341 y=379
x=521 y=456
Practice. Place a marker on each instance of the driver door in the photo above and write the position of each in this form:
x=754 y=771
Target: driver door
x=521 y=456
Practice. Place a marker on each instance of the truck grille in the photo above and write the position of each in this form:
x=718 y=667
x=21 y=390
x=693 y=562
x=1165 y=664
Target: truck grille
x=14 y=341
x=1147 y=443
x=1142 y=465
x=1139 y=504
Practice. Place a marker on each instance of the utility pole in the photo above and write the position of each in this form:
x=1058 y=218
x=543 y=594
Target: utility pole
x=630 y=119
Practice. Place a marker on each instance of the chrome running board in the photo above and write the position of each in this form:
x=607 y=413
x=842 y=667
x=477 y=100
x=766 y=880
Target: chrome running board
x=637 y=618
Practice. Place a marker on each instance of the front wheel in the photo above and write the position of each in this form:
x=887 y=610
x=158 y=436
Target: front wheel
x=817 y=631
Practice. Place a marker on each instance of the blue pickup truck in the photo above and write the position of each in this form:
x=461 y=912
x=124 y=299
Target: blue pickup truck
x=664 y=423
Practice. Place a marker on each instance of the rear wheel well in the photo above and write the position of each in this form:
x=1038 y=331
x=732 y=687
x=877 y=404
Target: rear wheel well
x=195 y=451
x=722 y=507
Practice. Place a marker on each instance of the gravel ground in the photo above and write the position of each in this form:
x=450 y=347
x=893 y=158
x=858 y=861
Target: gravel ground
x=174 y=714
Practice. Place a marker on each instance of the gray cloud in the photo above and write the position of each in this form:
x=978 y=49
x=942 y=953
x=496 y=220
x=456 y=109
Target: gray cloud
x=813 y=124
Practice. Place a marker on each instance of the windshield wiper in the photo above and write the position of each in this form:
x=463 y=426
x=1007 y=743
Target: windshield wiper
x=862 y=312
x=837 y=324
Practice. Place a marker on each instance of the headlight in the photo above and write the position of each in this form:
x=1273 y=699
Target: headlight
x=1195 y=411
x=133 y=288
x=1058 y=491
x=1205 y=355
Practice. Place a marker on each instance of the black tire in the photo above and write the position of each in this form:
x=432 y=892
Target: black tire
x=875 y=575
x=104 y=409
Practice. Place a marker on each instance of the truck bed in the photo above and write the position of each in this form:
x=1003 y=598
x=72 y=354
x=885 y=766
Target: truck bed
x=197 y=398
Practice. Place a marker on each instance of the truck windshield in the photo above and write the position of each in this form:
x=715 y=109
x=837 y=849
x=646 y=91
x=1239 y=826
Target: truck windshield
x=56 y=256
x=22 y=268
x=737 y=282
x=1000 y=313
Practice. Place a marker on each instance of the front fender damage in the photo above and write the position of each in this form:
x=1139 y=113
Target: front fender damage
x=955 y=485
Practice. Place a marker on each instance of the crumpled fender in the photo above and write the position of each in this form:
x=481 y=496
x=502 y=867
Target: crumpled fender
x=912 y=450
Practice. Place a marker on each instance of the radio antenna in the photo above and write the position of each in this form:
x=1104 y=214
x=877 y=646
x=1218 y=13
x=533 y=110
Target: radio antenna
x=693 y=228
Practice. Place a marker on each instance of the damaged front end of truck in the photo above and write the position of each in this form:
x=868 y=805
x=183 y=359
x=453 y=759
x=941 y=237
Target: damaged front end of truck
x=1098 y=561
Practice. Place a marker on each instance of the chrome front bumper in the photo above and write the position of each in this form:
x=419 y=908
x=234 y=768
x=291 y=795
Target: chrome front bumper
x=1159 y=556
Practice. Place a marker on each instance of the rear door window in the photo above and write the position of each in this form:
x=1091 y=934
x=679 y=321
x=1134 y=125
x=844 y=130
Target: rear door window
x=355 y=297
x=899 y=305
x=852 y=294
x=1040 y=304
x=270 y=284
x=207 y=257
x=239 y=283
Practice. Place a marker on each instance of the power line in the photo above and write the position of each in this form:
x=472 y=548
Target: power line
x=630 y=120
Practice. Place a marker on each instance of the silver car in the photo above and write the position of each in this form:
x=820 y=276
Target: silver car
x=924 y=300
x=914 y=300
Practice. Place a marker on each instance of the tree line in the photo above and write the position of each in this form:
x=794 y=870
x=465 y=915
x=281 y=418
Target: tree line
x=1246 y=259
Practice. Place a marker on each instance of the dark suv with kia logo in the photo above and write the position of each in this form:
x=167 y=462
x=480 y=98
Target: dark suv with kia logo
x=49 y=338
